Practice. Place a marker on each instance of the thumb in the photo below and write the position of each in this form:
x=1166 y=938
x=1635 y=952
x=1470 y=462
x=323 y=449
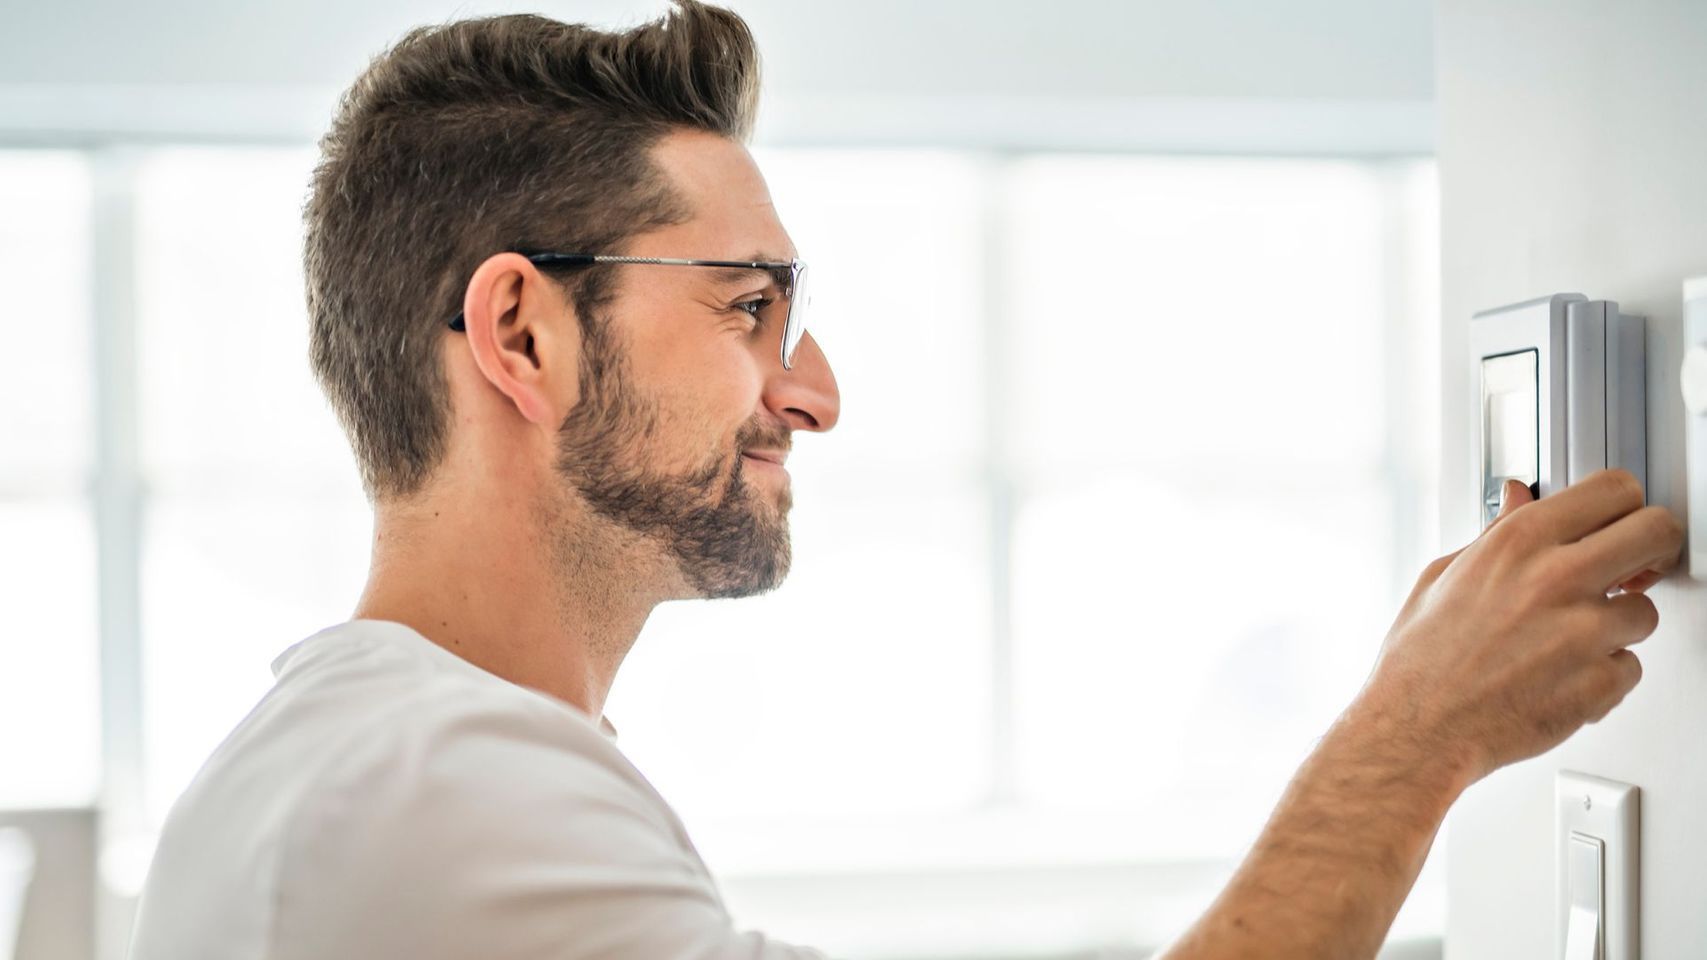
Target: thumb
x=1513 y=494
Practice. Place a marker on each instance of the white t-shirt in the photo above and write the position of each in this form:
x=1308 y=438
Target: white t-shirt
x=389 y=799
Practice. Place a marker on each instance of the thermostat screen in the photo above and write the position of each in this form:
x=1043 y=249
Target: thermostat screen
x=1511 y=438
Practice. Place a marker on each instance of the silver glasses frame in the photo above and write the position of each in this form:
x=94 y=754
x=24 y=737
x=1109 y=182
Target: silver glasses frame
x=794 y=322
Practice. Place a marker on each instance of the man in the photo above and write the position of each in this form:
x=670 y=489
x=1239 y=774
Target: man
x=561 y=324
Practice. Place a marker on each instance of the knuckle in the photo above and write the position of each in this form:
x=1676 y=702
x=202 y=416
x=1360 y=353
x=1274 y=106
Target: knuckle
x=1618 y=676
x=1602 y=709
x=1609 y=679
x=1596 y=703
x=1515 y=532
x=1584 y=627
x=1554 y=570
x=1526 y=597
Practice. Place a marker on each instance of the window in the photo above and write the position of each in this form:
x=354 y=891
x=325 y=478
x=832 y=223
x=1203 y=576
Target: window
x=255 y=530
x=1124 y=495
x=1096 y=618
x=882 y=629
x=49 y=679
x=1202 y=543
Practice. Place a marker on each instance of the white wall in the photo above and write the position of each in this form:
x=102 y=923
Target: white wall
x=1312 y=76
x=1573 y=157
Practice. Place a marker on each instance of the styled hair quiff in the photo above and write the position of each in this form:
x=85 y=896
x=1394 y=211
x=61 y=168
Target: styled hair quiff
x=476 y=137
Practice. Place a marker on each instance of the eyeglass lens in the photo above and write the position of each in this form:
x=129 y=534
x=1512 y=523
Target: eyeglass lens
x=794 y=328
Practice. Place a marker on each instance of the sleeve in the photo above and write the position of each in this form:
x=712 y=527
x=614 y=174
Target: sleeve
x=481 y=838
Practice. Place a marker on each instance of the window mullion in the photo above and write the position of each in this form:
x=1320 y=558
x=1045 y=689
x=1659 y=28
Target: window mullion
x=1000 y=476
x=117 y=492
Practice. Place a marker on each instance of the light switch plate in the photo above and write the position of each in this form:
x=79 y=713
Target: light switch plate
x=1595 y=808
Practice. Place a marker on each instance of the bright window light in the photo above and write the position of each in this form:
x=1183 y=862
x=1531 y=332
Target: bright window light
x=861 y=688
x=1112 y=526
x=49 y=679
x=45 y=370
x=255 y=532
x=1203 y=548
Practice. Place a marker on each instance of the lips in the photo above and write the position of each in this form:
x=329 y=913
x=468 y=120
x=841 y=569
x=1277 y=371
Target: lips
x=766 y=456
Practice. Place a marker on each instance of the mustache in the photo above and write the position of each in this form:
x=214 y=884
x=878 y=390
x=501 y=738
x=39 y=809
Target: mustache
x=757 y=434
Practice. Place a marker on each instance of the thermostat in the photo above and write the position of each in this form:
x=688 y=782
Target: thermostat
x=1561 y=391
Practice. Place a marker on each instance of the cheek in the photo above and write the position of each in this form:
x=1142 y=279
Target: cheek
x=700 y=415
x=707 y=381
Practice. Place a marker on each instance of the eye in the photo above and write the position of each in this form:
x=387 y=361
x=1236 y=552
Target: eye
x=754 y=308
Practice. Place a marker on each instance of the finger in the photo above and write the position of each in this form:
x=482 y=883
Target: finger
x=1626 y=673
x=1630 y=619
x=1590 y=504
x=1513 y=494
x=1632 y=667
x=1647 y=541
x=1641 y=582
x=1609 y=683
x=1601 y=685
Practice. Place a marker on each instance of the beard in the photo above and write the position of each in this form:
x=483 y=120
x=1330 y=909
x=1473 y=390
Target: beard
x=726 y=537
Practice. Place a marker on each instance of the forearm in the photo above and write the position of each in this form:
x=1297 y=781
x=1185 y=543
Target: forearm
x=1341 y=851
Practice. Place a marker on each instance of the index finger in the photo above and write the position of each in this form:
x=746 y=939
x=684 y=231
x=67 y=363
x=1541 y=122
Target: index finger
x=1647 y=541
x=1588 y=505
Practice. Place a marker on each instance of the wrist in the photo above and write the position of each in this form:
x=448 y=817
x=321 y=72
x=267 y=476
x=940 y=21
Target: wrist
x=1390 y=732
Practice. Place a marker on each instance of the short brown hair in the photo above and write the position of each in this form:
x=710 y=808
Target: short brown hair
x=480 y=136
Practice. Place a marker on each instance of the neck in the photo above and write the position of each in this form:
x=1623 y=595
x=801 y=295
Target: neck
x=549 y=599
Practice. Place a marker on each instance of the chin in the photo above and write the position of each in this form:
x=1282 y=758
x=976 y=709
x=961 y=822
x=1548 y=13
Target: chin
x=759 y=572
x=736 y=545
x=755 y=561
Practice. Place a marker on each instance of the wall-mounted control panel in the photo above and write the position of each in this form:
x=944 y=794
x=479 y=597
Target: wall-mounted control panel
x=1597 y=846
x=1561 y=391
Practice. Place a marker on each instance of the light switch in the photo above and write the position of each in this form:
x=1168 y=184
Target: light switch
x=1598 y=847
x=1586 y=857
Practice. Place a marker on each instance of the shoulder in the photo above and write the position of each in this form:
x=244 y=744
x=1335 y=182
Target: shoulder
x=455 y=751
x=458 y=812
x=386 y=715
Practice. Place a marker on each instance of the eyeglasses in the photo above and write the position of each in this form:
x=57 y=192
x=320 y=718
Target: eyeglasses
x=790 y=276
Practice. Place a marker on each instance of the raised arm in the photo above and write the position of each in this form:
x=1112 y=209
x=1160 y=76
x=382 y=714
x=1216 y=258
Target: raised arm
x=1502 y=651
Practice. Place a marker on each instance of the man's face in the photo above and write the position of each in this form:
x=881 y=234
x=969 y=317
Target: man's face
x=686 y=413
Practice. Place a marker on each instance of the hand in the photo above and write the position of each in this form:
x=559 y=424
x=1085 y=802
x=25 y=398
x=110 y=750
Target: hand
x=1510 y=645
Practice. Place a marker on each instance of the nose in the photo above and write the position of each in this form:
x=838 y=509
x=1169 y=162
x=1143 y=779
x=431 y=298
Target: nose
x=805 y=397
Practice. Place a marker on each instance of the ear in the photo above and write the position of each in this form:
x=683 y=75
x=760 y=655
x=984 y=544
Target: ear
x=522 y=335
